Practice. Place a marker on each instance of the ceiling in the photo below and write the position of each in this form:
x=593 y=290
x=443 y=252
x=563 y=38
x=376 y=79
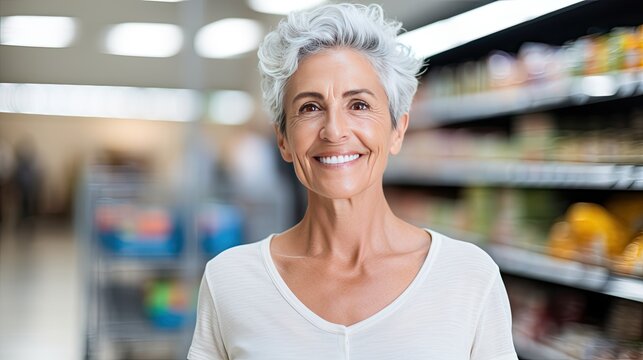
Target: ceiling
x=85 y=63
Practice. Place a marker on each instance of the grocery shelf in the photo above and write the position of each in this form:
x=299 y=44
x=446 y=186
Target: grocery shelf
x=534 y=96
x=625 y=287
x=538 y=174
x=637 y=175
x=537 y=266
x=529 y=264
x=474 y=125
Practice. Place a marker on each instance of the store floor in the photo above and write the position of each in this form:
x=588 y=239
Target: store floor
x=40 y=304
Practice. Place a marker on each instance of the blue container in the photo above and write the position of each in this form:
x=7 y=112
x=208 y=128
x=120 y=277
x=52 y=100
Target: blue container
x=220 y=228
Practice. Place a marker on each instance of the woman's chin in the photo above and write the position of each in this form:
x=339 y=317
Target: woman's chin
x=339 y=192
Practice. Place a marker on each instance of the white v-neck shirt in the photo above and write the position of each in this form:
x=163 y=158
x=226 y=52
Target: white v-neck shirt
x=455 y=308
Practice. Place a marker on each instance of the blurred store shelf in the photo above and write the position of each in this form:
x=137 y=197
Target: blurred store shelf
x=637 y=173
x=512 y=139
x=542 y=267
x=624 y=287
x=531 y=264
x=138 y=331
x=458 y=172
x=532 y=97
x=133 y=265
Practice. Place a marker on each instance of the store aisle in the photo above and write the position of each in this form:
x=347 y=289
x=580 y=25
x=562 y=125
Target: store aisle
x=40 y=307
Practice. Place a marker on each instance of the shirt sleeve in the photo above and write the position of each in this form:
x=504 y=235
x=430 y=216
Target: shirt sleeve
x=493 y=338
x=207 y=343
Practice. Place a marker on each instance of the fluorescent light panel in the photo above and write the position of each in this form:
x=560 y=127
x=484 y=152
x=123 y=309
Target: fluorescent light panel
x=144 y=39
x=282 y=7
x=477 y=23
x=231 y=107
x=100 y=101
x=228 y=38
x=37 y=31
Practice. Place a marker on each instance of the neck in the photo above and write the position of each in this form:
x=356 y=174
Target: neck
x=349 y=230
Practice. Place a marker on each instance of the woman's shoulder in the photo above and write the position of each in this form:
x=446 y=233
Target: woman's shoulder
x=239 y=259
x=464 y=255
x=238 y=273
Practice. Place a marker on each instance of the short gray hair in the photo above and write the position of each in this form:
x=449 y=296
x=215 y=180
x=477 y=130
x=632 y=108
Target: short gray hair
x=355 y=26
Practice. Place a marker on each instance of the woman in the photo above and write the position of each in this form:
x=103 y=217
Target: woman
x=351 y=280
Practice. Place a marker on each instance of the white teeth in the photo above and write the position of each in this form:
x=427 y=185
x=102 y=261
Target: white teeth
x=341 y=159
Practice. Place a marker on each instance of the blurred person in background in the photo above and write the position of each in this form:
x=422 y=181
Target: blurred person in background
x=27 y=181
x=6 y=156
x=351 y=278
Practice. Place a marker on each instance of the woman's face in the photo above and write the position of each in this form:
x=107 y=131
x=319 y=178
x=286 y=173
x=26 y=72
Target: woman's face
x=338 y=126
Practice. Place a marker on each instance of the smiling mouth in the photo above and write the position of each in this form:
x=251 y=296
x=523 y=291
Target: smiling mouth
x=337 y=160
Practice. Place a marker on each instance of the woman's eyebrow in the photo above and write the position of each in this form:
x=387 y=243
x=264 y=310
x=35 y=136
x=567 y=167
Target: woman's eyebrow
x=305 y=94
x=357 y=91
x=319 y=96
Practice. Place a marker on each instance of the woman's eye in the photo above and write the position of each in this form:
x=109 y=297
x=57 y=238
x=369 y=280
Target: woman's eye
x=308 y=108
x=359 y=105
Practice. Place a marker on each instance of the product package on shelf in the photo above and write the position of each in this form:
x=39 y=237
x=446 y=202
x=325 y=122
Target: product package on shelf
x=514 y=217
x=128 y=229
x=428 y=210
x=169 y=303
x=609 y=236
x=522 y=217
x=630 y=261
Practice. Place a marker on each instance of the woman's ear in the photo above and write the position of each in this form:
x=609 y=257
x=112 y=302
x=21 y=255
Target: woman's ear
x=282 y=142
x=398 y=133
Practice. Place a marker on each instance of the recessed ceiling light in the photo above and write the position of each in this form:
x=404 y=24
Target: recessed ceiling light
x=228 y=38
x=231 y=107
x=37 y=31
x=282 y=7
x=101 y=101
x=460 y=29
x=144 y=39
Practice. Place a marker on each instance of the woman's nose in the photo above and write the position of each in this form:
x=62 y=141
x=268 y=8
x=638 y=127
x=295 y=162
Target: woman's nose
x=335 y=127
